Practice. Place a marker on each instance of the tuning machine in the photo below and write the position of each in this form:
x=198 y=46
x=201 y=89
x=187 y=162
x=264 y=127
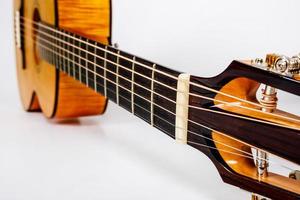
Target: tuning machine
x=288 y=66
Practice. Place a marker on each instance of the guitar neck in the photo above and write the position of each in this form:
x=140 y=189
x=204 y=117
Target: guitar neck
x=130 y=81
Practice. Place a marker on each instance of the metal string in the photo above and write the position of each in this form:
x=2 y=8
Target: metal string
x=136 y=62
x=199 y=96
x=196 y=95
x=250 y=156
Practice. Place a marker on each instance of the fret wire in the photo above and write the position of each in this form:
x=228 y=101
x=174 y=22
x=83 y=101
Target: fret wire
x=87 y=64
x=117 y=79
x=68 y=56
x=105 y=74
x=73 y=57
x=79 y=53
x=56 y=50
x=65 y=60
x=51 y=56
x=152 y=94
x=63 y=52
x=132 y=85
x=95 y=68
x=59 y=59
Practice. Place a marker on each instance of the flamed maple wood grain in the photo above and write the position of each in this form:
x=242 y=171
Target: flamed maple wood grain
x=89 y=18
x=41 y=85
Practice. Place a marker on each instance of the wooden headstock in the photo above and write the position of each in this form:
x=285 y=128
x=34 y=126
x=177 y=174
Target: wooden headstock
x=234 y=122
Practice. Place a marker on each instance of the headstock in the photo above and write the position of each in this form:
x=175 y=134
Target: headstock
x=238 y=131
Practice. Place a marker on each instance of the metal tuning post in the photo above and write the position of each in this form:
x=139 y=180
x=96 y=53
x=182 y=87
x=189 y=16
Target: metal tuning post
x=269 y=105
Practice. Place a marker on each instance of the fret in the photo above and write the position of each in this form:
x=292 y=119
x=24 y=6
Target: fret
x=56 y=51
x=68 y=54
x=91 y=66
x=166 y=125
x=152 y=94
x=95 y=68
x=105 y=72
x=100 y=65
x=53 y=42
x=87 y=63
x=83 y=62
x=61 y=61
x=76 y=59
x=132 y=85
x=142 y=96
x=125 y=81
x=117 y=78
x=65 y=53
x=111 y=70
x=71 y=55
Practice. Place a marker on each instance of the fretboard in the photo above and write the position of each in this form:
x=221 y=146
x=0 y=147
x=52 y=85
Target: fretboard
x=145 y=89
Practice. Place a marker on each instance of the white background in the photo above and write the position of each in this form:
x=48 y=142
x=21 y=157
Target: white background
x=117 y=156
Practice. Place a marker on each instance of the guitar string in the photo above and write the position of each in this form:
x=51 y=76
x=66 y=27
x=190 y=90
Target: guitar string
x=113 y=82
x=196 y=95
x=136 y=62
x=247 y=153
x=210 y=147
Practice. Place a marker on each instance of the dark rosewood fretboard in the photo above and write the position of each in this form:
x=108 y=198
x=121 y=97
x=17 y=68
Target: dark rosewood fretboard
x=130 y=81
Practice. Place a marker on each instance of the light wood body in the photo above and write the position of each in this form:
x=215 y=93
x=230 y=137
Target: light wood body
x=41 y=85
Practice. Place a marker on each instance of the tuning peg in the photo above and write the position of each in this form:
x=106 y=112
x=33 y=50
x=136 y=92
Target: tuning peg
x=283 y=64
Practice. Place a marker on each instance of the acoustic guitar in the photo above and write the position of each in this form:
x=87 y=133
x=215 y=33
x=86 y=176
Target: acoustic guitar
x=67 y=67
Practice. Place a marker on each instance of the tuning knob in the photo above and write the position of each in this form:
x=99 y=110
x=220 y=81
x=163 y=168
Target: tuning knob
x=284 y=65
x=294 y=66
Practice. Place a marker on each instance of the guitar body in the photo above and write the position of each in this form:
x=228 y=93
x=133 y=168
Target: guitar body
x=43 y=87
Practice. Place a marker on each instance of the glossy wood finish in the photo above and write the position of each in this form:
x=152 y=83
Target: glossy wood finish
x=41 y=84
x=32 y=71
x=90 y=18
x=242 y=81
